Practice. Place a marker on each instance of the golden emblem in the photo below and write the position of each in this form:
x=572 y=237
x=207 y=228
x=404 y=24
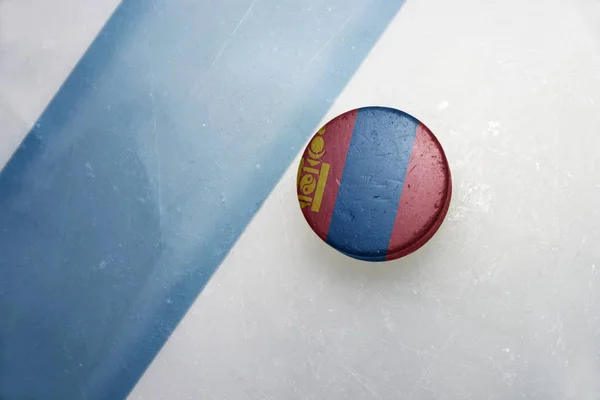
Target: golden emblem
x=312 y=174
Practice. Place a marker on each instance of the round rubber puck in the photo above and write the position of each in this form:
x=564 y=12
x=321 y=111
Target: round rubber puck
x=374 y=183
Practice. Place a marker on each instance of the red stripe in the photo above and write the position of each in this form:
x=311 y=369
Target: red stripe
x=425 y=196
x=338 y=133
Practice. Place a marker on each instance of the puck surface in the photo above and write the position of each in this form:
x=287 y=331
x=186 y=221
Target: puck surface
x=374 y=183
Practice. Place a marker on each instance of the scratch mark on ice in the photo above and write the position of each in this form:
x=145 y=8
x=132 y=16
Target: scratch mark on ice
x=156 y=149
x=318 y=53
x=358 y=379
x=220 y=53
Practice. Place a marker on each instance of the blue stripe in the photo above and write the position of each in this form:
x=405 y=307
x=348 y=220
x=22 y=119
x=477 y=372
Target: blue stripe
x=144 y=170
x=372 y=181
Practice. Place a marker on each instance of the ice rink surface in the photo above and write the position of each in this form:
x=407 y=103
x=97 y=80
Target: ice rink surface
x=170 y=152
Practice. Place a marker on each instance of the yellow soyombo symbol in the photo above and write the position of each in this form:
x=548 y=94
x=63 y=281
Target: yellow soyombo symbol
x=312 y=174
